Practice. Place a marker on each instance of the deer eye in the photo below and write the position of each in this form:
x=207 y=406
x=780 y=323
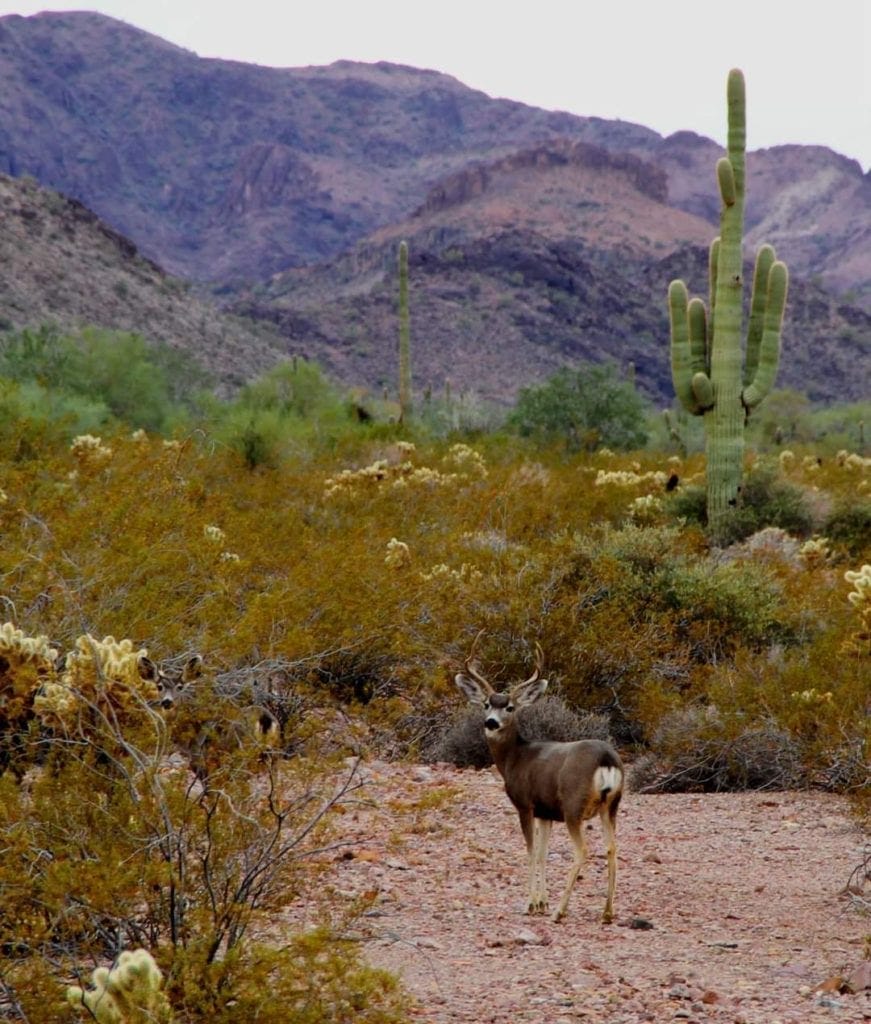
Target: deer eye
x=510 y=709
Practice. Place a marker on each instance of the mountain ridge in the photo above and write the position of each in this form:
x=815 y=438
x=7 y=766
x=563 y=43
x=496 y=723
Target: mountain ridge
x=286 y=191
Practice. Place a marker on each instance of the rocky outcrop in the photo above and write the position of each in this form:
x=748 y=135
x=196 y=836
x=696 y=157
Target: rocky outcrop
x=474 y=181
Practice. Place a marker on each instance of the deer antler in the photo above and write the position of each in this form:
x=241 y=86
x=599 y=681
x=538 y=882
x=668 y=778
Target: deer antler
x=472 y=665
x=539 y=665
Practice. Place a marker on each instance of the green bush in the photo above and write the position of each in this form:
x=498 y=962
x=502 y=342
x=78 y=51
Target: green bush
x=848 y=525
x=141 y=384
x=586 y=407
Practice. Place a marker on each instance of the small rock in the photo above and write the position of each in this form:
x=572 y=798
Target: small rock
x=860 y=979
x=641 y=924
x=652 y=858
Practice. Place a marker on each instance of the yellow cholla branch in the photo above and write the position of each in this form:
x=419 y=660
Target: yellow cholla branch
x=814 y=552
x=97 y=672
x=28 y=662
x=130 y=993
x=860 y=597
x=398 y=556
x=86 y=447
x=629 y=478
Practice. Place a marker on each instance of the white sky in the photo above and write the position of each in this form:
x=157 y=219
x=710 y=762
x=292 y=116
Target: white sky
x=660 y=63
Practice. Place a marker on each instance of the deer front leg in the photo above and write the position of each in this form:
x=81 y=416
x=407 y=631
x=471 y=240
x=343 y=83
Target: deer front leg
x=538 y=894
x=532 y=833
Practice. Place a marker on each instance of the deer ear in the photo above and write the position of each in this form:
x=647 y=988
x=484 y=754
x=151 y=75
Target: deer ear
x=529 y=693
x=473 y=690
x=193 y=669
x=148 y=670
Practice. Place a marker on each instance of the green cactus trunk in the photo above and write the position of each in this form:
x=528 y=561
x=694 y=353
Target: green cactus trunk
x=706 y=353
x=404 y=338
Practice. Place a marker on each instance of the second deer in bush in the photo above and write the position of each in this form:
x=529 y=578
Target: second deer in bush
x=548 y=781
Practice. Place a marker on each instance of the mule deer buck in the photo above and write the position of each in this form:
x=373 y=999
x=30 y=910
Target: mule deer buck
x=548 y=781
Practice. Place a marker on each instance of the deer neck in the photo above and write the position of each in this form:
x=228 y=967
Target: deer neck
x=505 y=745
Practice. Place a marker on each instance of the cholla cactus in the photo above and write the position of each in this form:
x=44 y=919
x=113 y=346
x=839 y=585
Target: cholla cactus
x=103 y=673
x=90 y=449
x=629 y=478
x=398 y=556
x=860 y=598
x=467 y=460
x=26 y=663
x=815 y=552
x=130 y=993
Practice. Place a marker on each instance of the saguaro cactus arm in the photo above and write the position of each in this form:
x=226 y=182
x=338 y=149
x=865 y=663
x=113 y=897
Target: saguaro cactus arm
x=689 y=349
x=767 y=356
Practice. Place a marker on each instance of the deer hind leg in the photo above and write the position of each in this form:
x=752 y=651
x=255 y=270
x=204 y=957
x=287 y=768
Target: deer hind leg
x=576 y=834
x=608 y=817
x=538 y=866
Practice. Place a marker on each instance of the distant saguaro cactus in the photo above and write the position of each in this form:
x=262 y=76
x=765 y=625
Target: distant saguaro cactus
x=706 y=342
x=404 y=337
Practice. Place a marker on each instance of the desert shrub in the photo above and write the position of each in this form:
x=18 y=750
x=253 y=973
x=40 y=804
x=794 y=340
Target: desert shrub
x=766 y=500
x=586 y=407
x=144 y=856
x=698 y=749
x=463 y=744
x=849 y=526
x=316 y=976
x=144 y=385
x=266 y=420
x=32 y=415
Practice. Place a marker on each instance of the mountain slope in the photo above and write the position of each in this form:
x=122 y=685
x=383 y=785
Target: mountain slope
x=62 y=265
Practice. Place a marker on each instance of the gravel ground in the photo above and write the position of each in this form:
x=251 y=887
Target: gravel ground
x=730 y=907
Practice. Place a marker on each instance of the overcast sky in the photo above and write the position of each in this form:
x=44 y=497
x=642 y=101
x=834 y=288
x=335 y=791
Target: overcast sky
x=660 y=63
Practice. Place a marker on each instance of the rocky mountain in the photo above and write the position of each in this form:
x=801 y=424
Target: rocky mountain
x=537 y=237
x=553 y=255
x=224 y=171
x=62 y=265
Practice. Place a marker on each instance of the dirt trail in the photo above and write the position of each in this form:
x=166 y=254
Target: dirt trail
x=744 y=893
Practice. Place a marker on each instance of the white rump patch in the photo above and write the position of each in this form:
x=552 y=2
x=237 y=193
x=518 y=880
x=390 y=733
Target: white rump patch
x=607 y=780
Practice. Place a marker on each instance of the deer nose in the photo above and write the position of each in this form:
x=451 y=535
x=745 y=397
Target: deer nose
x=491 y=722
x=167 y=701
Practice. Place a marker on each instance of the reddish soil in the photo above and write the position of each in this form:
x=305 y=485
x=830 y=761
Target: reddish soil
x=730 y=907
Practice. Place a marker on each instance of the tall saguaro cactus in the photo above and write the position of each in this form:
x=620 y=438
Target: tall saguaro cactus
x=404 y=337
x=706 y=353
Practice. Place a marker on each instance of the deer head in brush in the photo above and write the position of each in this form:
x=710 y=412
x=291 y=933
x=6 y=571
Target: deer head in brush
x=548 y=781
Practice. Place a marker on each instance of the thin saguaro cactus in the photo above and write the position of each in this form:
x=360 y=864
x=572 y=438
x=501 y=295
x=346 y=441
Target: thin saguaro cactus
x=404 y=337
x=706 y=352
